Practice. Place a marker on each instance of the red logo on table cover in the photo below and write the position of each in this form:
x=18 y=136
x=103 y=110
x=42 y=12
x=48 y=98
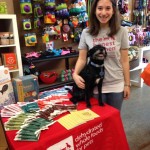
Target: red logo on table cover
x=66 y=144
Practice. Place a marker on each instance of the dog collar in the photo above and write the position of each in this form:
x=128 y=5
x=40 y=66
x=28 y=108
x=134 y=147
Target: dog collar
x=96 y=65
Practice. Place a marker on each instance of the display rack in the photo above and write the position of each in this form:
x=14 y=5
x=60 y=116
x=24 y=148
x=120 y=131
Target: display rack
x=138 y=81
x=8 y=23
x=58 y=83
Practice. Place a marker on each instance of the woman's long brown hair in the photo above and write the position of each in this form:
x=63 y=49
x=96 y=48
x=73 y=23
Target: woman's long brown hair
x=94 y=24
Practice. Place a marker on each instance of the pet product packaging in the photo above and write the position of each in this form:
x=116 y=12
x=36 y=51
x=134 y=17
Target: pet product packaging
x=26 y=88
x=10 y=60
x=6 y=88
x=4 y=38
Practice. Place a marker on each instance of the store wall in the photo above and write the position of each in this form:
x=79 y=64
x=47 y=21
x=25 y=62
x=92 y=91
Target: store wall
x=14 y=7
x=56 y=65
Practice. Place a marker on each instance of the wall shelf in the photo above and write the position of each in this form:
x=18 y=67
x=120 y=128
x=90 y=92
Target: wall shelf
x=58 y=83
x=54 y=58
x=9 y=24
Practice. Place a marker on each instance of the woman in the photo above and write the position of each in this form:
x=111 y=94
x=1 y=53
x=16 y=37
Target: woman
x=105 y=29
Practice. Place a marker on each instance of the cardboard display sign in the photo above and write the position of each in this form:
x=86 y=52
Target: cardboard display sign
x=26 y=88
x=6 y=89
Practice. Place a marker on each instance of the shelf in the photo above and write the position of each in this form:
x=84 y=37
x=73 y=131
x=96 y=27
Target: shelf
x=13 y=45
x=14 y=70
x=44 y=87
x=145 y=48
x=141 y=66
x=58 y=83
x=9 y=24
x=138 y=81
x=53 y=58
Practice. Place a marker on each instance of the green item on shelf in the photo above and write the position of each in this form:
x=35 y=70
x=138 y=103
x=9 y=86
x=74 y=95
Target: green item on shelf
x=3 y=8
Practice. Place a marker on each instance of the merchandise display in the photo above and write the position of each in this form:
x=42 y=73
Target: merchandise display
x=30 y=118
x=57 y=22
x=95 y=130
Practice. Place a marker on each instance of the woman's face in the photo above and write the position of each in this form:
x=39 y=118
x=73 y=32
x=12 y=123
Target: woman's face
x=104 y=12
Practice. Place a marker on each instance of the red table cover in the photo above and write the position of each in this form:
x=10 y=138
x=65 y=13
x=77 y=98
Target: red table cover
x=103 y=133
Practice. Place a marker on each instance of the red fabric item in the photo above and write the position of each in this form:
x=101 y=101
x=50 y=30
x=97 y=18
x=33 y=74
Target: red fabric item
x=146 y=75
x=107 y=133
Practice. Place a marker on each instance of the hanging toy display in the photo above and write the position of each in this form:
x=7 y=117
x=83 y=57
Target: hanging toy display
x=148 y=7
x=38 y=11
x=75 y=9
x=83 y=18
x=65 y=26
x=135 y=16
x=145 y=3
x=146 y=40
x=45 y=38
x=78 y=14
x=26 y=6
x=50 y=5
x=37 y=23
x=49 y=18
x=30 y=39
x=77 y=34
x=62 y=11
x=52 y=30
x=26 y=24
x=141 y=17
x=131 y=38
x=123 y=6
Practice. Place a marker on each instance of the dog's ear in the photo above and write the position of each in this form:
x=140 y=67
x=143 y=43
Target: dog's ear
x=92 y=51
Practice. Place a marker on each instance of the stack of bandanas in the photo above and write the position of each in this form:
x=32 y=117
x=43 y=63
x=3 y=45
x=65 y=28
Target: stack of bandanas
x=31 y=130
x=66 y=75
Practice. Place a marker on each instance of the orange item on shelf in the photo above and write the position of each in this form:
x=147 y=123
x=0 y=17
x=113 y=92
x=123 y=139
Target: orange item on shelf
x=10 y=60
x=146 y=75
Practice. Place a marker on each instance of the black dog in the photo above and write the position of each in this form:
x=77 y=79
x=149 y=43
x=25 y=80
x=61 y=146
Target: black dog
x=93 y=74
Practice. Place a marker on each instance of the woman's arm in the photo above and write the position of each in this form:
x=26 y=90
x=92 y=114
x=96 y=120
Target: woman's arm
x=126 y=72
x=78 y=67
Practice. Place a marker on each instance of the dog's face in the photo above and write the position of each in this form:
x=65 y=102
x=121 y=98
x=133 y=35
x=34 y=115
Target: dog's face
x=98 y=52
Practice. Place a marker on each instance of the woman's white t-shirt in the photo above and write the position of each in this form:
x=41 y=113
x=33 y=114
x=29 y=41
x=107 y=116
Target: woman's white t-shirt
x=114 y=78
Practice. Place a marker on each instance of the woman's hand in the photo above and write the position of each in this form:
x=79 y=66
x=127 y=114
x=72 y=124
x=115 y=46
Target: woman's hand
x=79 y=81
x=126 y=92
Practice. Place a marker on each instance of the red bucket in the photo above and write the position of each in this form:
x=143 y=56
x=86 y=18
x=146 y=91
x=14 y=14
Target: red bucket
x=145 y=75
x=48 y=77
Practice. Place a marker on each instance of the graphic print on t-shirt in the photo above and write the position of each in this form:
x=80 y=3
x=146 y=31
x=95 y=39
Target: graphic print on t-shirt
x=108 y=43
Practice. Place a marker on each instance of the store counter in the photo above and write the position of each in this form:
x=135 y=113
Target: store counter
x=103 y=133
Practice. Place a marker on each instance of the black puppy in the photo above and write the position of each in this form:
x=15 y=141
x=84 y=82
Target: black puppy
x=93 y=74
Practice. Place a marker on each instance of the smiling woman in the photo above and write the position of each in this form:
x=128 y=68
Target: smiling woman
x=104 y=29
